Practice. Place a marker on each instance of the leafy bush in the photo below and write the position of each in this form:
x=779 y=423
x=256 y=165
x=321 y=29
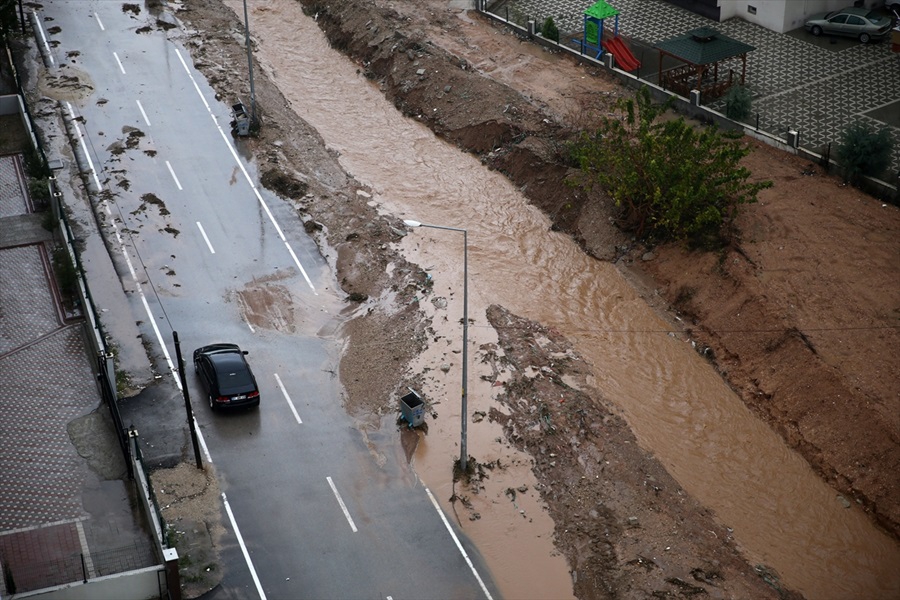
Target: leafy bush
x=864 y=151
x=66 y=277
x=670 y=180
x=737 y=103
x=8 y=20
x=35 y=166
x=49 y=221
x=549 y=30
x=39 y=190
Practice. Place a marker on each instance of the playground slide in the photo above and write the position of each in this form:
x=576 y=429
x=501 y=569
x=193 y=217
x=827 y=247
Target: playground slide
x=625 y=60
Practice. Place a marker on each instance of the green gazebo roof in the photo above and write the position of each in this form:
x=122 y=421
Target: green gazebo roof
x=703 y=46
x=600 y=10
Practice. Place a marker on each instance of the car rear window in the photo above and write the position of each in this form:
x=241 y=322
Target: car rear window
x=232 y=373
x=235 y=381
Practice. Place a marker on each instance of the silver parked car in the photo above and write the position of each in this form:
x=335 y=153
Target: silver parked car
x=860 y=23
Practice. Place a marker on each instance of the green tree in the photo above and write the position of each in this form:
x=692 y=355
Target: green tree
x=864 y=151
x=670 y=180
x=8 y=20
x=549 y=30
x=738 y=100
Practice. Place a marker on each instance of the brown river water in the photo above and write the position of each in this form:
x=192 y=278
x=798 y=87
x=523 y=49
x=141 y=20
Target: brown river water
x=782 y=514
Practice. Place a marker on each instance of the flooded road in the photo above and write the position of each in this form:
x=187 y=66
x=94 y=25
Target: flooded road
x=782 y=514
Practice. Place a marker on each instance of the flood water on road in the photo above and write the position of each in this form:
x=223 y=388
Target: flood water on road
x=782 y=514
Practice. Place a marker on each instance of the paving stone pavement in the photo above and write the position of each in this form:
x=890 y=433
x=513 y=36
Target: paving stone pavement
x=796 y=85
x=26 y=315
x=12 y=198
x=47 y=382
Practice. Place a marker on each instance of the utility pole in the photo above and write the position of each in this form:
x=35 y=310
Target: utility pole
x=187 y=401
x=254 y=120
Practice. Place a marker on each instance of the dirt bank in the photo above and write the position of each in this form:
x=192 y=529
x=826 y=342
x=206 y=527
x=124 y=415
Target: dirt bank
x=806 y=341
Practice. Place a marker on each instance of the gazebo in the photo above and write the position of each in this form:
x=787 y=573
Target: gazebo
x=701 y=51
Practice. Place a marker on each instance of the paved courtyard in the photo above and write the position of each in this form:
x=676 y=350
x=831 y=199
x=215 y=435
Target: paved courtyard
x=815 y=89
x=59 y=517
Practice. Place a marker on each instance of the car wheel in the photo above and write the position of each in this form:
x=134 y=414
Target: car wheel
x=816 y=30
x=212 y=403
x=864 y=38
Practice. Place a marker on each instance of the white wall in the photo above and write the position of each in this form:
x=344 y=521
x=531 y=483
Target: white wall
x=141 y=584
x=783 y=15
x=769 y=13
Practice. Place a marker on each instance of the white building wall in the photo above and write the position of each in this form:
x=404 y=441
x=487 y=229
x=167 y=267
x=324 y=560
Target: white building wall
x=783 y=15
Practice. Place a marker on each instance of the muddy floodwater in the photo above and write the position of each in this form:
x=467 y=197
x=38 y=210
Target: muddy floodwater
x=782 y=514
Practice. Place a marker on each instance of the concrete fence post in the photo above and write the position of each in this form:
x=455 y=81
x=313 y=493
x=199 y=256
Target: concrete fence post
x=793 y=138
x=531 y=28
x=609 y=60
x=695 y=97
x=173 y=578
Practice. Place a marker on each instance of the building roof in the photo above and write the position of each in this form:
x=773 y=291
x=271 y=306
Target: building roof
x=600 y=10
x=703 y=46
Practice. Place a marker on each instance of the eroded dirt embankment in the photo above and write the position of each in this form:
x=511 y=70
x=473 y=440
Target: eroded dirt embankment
x=479 y=115
x=512 y=133
x=841 y=419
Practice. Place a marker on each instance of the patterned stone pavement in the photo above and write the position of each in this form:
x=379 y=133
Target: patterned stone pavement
x=26 y=315
x=46 y=384
x=47 y=535
x=796 y=85
x=12 y=200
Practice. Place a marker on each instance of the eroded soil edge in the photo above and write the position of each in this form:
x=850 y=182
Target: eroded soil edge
x=616 y=510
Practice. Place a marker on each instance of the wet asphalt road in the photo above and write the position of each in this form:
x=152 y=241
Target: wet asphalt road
x=321 y=511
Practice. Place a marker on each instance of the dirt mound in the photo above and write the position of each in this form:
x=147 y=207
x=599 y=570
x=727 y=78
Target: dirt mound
x=627 y=527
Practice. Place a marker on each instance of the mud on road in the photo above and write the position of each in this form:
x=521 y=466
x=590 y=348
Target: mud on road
x=625 y=526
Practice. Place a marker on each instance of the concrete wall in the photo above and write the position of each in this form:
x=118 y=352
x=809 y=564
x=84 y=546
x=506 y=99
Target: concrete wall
x=13 y=104
x=767 y=13
x=9 y=105
x=142 y=584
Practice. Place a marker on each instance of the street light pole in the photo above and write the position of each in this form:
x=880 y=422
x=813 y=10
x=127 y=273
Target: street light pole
x=253 y=120
x=463 y=452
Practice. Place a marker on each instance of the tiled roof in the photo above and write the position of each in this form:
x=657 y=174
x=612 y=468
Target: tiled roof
x=703 y=46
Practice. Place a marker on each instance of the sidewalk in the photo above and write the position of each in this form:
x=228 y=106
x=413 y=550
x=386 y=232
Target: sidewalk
x=64 y=507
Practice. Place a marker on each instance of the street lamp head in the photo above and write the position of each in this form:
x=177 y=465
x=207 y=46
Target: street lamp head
x=411 y=223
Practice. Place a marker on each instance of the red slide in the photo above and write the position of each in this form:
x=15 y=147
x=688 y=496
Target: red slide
x=625 y=60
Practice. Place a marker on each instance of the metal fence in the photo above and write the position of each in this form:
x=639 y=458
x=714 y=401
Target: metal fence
x=163 y=530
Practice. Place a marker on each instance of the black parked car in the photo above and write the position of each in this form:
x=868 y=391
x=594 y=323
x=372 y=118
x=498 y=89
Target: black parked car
x=226 y=376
